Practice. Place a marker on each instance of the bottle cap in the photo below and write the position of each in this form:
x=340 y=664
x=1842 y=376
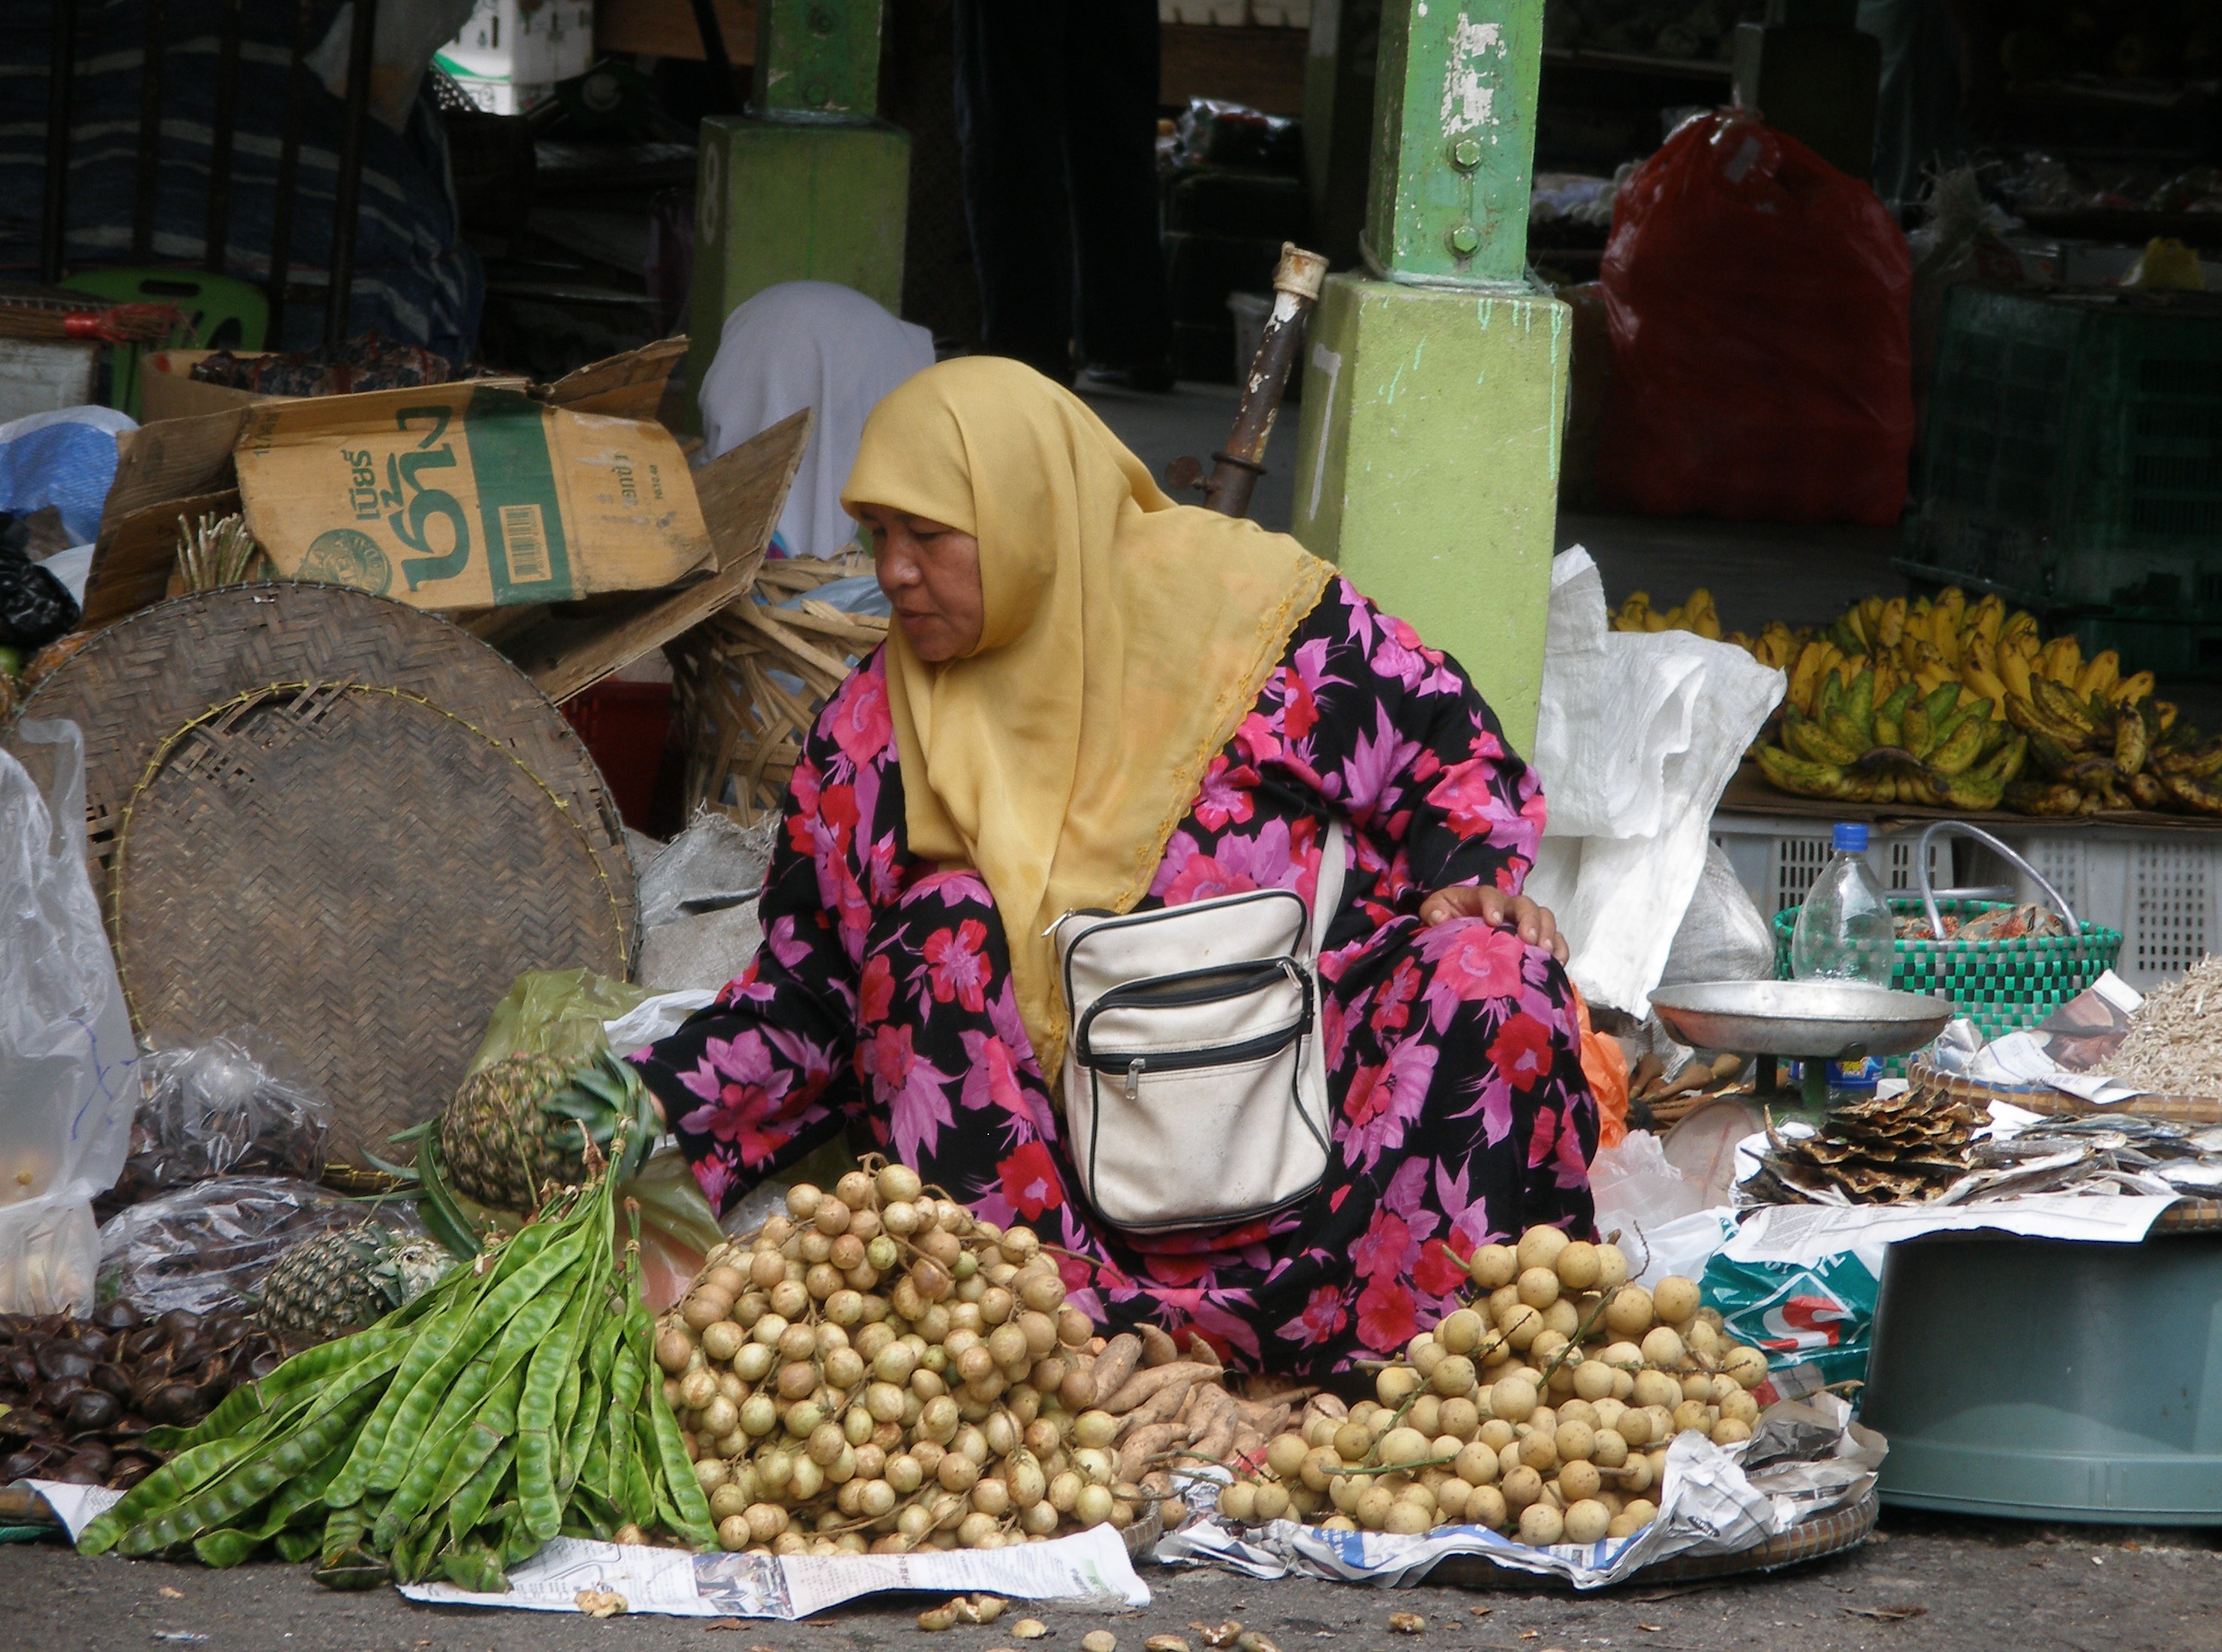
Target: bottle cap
x=1851 y=838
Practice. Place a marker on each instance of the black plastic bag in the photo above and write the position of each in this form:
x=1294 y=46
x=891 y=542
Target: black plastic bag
x=35 y=607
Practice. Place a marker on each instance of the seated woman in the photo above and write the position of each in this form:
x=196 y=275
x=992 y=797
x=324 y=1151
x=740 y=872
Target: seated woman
x=1095 y=698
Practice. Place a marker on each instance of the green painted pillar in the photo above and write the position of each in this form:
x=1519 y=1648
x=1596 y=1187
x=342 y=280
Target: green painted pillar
x=809 y=184
x=1435 y=387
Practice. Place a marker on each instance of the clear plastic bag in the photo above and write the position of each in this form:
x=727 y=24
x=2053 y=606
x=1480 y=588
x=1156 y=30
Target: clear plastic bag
x=68 y=1078
x=238 y=1105
x=203 y=1247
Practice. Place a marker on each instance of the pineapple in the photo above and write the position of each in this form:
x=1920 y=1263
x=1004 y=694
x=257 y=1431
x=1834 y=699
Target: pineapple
x=519 y=1128
x=342 y=1282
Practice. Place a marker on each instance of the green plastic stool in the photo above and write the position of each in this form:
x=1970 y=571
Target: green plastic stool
x=2047 y=1379
x=222 y=312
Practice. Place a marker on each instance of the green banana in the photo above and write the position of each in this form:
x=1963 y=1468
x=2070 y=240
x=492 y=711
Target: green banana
x=1858 y=706
x=1969 y=791
x=1957 y=753
x=2061 y=707
x=1887 y=726
x=1831 y=697
x=2193 y=795
x=2052 y=757
x=1810 y=740
x=2041 y=797
x=2130 y=750
x=1804 y=777
x=1845 y=730
x=1939 y=704
x=1915 y=728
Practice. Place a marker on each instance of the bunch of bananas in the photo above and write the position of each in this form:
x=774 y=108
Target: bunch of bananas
x=2102 y=742
x=1698 y=615
x=1861 y=734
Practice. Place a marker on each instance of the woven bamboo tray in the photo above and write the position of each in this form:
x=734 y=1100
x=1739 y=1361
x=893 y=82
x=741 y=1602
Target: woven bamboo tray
x=1927 y=1081
x=743 y=727
x=1810 y=1540
x=345 y=822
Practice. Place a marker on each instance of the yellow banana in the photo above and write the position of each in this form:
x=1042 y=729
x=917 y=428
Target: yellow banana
x=1986 y=617
x=2100 y=674
x=2061 y=659
x=2062 y=709
x=2129 y=690
x=2013 y=671
x=1805 y=675
x=2130 y=749
x=1890 y=623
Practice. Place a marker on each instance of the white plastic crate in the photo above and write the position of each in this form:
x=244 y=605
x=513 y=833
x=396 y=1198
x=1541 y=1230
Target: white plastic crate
x=2162 y=889
x=1777 y=857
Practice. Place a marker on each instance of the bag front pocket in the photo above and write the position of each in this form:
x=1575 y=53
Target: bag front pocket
x=1190 y=1081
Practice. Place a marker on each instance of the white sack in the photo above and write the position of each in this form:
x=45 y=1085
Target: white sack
x=1636 y=736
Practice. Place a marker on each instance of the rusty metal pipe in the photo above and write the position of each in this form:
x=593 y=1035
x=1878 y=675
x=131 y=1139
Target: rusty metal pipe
x=1236 y=467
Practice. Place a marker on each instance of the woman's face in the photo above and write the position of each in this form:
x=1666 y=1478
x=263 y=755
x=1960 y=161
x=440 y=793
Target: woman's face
x=931 y=573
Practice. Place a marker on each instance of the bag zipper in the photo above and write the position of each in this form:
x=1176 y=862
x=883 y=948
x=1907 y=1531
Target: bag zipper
x=1221 y=983
x=1218 y=1055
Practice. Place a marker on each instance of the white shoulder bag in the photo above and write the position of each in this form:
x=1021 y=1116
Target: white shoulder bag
x=1194 y=1079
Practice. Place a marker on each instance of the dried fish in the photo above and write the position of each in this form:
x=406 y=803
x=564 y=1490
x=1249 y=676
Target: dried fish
x=2174 y=1044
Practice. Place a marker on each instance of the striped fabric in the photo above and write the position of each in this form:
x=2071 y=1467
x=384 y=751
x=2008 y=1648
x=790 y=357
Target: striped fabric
x=414 y=281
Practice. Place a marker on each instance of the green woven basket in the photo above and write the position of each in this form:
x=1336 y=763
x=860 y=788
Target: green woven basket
x=2000 y=985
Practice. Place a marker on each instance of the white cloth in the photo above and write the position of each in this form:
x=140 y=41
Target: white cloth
x=814 y=344
x=1636 y=735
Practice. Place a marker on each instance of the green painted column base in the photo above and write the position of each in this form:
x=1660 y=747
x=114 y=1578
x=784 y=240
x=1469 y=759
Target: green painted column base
x=792 y=201
x=1428 y=467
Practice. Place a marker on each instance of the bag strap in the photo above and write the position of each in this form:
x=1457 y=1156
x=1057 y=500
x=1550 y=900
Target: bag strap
x=1326 y=897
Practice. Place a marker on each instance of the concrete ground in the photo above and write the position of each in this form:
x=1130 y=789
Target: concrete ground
x=1923 y=1585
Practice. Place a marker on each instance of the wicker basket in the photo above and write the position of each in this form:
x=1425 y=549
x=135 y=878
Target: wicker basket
x=743 y=725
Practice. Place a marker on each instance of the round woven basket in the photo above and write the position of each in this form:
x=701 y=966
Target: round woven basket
x=1809 y=1540
x=349 y=823
x=751 y=679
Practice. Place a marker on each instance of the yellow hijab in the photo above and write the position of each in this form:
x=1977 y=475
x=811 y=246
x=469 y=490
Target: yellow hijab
x=1125 y=638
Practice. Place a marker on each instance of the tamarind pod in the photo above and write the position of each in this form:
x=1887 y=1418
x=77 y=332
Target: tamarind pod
x=1143 y=1383
x=1122 y=1357
x=1158 y=1347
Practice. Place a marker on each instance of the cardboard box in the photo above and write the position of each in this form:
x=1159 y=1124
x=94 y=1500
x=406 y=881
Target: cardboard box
x=466 y=496
x=166 y=391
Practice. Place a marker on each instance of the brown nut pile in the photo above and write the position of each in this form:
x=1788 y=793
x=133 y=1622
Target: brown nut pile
x=877 y=1371
x=77 y=1396
x=1544 y=1410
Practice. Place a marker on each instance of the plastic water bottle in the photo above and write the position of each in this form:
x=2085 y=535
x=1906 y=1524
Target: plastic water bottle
x=1845 y=932
x=1844 y=929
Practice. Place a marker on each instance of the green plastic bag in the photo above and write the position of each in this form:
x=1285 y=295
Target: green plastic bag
x=1815 y=1322
x=556 y=1012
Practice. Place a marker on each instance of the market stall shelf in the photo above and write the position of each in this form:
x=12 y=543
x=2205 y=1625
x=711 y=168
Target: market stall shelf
x=392 y=912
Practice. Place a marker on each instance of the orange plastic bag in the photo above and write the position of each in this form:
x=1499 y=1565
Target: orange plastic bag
x=1605 y=1065
x=1762 y=360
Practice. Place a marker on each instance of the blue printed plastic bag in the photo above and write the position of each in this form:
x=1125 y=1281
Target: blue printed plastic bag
x=64 y=459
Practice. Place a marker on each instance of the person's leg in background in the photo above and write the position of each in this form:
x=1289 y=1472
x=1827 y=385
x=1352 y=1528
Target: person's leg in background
x=1123 y=317
x=1010 y=88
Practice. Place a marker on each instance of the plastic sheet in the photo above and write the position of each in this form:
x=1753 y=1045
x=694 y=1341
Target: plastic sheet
x=1759 y=301
x=238 y=1105
x=35 y=606
x=68 y=1078
x=203 y=1247
x=1636 y=736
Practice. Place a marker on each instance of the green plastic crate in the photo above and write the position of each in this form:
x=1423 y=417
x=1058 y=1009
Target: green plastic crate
x=2071 y=459
x=2000 y=985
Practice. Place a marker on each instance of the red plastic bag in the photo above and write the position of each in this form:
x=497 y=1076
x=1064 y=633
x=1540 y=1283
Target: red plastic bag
x=1759 y=301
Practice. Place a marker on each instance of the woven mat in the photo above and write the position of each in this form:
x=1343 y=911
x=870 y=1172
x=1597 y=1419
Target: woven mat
x=1931 y=1082
x=385 y=999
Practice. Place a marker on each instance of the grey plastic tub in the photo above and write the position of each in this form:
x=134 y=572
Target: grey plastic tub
x=2043 y=1380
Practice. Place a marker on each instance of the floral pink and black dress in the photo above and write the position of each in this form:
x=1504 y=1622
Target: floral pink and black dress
x=882 y=998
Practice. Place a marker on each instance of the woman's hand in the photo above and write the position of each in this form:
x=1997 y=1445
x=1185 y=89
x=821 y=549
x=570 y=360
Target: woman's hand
x=1499 y=911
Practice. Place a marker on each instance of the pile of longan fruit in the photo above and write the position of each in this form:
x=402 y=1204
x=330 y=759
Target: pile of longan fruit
x=1543 y=1410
